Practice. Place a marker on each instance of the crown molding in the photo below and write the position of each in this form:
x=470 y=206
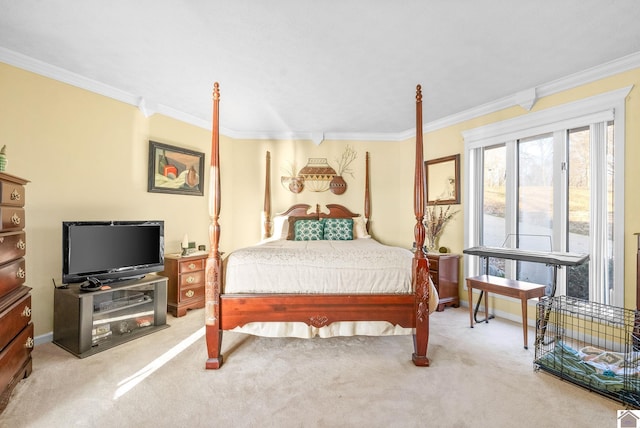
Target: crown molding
x=593 y=74
x=526 y=99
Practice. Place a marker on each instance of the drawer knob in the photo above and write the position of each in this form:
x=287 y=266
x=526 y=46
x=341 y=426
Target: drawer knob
x=189 y=293
x=21 y=245
x=15 y=195
x=192 y=266
x=29 y=343
x=191 y=279
x=26 y=312
x=20 y=273
x=15 y=219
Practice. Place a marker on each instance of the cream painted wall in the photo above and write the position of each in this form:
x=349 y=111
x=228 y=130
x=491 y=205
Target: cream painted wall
x=86 y=158
x=391 y=183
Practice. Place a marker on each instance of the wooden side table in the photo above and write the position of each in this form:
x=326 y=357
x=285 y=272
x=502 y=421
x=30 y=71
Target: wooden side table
x=443 y=269
x=186 y=282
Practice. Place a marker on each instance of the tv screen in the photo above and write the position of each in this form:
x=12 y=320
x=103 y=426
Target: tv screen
x=111 y=250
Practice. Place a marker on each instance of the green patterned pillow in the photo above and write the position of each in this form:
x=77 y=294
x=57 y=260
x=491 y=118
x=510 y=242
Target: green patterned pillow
x=308 y=230
x=338 y=229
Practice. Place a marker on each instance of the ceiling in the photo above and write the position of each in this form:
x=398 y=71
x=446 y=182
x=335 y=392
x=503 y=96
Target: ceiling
x=295 y=68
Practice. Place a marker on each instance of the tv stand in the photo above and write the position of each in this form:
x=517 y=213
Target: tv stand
x=87 y=322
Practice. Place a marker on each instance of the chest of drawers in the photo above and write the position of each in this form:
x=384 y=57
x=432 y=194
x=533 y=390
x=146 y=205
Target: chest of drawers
x=185 y=289
x=16 y=329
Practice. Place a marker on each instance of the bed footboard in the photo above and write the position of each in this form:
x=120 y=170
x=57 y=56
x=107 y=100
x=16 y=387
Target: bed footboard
x=235 y=310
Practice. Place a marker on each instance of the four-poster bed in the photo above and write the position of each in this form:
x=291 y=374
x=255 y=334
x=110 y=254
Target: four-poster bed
x=390 y=298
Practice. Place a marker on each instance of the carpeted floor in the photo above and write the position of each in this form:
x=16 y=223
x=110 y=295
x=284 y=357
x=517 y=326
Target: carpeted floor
x=480 y=377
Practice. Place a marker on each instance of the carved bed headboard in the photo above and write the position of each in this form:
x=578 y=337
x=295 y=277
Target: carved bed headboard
x=335 y=211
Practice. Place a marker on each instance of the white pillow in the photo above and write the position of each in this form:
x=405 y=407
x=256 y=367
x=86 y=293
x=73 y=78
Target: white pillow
x=360 y=228
x=280 y=227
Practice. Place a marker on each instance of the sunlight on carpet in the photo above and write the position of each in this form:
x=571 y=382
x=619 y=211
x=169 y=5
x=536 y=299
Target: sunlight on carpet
x=129 y=383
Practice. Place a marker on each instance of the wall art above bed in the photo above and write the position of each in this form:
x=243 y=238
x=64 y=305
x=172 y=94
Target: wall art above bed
x=175 y=170
x=319 y=176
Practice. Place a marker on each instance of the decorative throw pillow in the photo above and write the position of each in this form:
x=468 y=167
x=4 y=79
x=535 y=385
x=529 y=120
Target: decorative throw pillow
x=338 y=229
x=291 y=235
x=360 y=228
x=280 y=227
x=308 y=230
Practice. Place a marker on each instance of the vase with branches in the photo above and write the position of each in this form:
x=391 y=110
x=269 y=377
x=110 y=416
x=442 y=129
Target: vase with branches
x=338 y=186
x=436 y=217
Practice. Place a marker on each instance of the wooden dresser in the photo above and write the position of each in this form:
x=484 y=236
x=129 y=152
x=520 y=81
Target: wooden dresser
x=185 y=289
x=443 y=269
x=16 y=329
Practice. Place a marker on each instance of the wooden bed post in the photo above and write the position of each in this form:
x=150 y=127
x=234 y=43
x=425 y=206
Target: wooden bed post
x=420 y=262
x=367 y=197
x=213 y=270
x=266 y=210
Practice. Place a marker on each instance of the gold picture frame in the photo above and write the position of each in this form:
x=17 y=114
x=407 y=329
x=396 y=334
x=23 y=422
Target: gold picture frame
x=443 y=180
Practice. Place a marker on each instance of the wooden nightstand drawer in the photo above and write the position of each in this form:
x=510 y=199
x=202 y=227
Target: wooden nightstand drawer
x=191 y=265
x=433 y=264
x=192 y=293
x=191 y=279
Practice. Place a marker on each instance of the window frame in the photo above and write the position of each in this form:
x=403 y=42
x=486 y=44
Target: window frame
x=609 y=106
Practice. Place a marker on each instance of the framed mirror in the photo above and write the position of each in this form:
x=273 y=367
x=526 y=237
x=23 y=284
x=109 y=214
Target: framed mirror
x=443 y=180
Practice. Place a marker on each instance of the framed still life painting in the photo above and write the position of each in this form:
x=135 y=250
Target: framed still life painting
x=175 y=170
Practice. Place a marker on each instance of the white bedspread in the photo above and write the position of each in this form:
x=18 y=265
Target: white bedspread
x=357 y=266
x=283 y=266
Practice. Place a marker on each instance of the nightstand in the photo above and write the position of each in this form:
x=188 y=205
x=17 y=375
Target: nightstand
x=186 y=276
x=443 y=268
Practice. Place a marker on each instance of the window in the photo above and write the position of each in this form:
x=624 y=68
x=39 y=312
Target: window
x=552 y=181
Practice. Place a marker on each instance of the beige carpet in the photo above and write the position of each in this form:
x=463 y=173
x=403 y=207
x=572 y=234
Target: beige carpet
x=480 y=377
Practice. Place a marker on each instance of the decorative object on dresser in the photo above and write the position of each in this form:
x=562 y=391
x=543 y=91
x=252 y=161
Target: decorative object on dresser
x=85 y=323
x=435 y=219
x=186 y=282
x=16 y=329
x=443 y=269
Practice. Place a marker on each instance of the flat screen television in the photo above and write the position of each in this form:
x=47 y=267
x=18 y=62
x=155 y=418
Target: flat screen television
x=111 y=250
